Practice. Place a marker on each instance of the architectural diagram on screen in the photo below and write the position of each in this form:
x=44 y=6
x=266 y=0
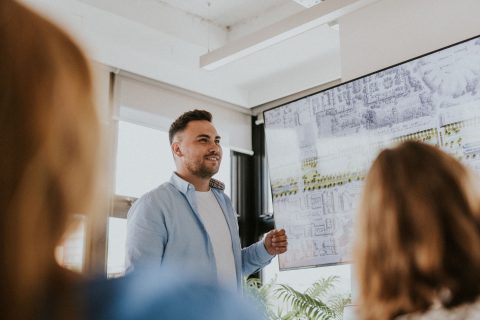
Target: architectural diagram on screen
x=320 y=147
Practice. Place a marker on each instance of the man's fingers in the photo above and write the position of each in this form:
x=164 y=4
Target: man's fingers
x=277 y=233
x=280 y=250
x=279 y=239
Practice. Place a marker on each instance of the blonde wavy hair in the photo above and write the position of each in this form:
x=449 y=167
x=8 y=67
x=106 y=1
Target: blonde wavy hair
x=418 y=233
x=49 y=147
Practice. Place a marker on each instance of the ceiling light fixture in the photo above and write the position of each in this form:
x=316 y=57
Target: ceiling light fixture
x=323 y=13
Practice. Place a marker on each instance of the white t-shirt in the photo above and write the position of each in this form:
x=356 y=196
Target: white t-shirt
x=217 y=228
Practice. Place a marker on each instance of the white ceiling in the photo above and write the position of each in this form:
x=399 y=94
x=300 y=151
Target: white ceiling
x=164 y=40
x=228 y=13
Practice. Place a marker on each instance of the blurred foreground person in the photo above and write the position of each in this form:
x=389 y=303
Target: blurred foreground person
x=418 y=245
x=49 y=164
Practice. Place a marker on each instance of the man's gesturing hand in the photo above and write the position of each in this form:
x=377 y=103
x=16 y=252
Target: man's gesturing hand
x=276 y=241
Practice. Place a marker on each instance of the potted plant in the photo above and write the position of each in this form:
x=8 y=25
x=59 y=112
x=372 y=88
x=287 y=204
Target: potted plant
x=317 y=302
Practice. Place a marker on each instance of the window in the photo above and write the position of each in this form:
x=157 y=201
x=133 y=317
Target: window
x=70 y=253
x=116 y=246
x=144 y=159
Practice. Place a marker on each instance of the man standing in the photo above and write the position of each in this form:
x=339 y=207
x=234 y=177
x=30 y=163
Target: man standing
x=189 y=222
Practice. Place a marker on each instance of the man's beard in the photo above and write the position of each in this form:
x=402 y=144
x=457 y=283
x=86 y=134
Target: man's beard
x=201 y=170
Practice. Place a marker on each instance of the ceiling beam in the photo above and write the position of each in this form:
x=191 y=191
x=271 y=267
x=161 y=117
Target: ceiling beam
x=324 y=12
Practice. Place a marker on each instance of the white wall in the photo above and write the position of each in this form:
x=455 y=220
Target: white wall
x=391 y=31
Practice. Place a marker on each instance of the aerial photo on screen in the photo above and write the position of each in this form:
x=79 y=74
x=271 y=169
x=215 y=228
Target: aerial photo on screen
x=320 y=147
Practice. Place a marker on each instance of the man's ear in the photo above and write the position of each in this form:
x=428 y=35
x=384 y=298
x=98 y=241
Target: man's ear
x=176 y=149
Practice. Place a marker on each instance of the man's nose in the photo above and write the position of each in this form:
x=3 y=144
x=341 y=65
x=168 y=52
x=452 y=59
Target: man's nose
x=215 y=147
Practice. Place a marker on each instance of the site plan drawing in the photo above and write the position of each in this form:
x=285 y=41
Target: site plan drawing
x=320 y=147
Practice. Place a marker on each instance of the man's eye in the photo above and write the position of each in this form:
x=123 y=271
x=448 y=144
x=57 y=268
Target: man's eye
x=217 y=141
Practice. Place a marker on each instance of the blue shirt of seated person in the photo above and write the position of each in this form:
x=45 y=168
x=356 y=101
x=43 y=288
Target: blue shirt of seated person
x=165 y=295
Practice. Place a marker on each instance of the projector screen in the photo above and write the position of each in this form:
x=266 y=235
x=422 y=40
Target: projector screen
x=320 y=147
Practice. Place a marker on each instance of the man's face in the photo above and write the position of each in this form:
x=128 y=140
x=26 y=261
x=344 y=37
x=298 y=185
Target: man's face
x=198 y=149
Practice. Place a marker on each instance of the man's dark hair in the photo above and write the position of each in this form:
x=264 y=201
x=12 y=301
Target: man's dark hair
x=181 y=123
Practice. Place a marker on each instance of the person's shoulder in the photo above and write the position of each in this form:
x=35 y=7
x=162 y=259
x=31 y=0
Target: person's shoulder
x=161 y=189
x=161 y=294
x=161 y=192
